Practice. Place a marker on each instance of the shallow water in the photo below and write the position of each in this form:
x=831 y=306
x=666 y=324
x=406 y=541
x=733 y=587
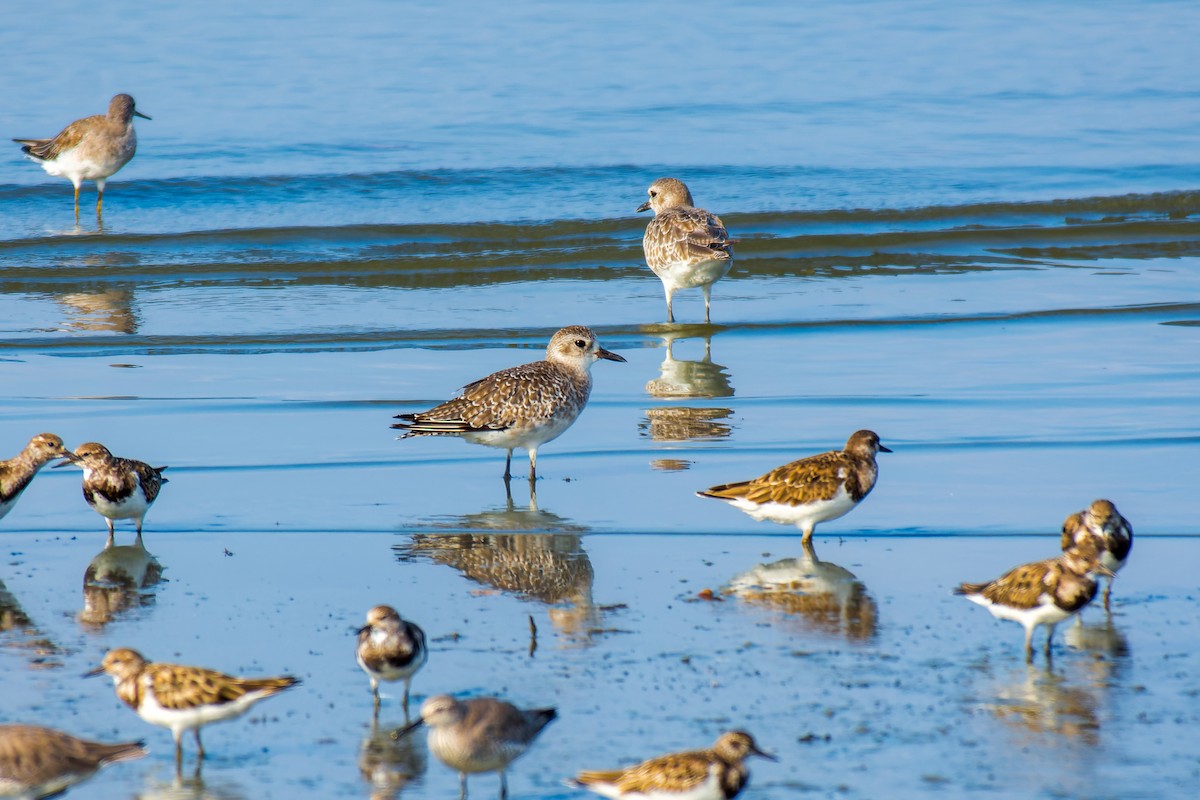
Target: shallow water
x=971 y=229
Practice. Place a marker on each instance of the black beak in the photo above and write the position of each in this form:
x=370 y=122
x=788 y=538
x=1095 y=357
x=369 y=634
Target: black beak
x=644 y=206
x=762 y=753
x=883 y=449
x=91 y=673
x=400 y=733
x=362 y=630
x=68 y=458
x=605 y=354
x=137 y=113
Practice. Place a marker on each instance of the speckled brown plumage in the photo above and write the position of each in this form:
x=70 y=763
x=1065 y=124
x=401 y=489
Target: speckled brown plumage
x=42 y=762
x=92 y=148
x=718 y=773
x=117 y=488
x=1108 y=530
x=812 y=489
x=685 y=246
x=17 y=472
x=524 y=406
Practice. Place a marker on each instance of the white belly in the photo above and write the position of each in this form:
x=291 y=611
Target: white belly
x=132 y=507
x=690 y=274
x=799 y=515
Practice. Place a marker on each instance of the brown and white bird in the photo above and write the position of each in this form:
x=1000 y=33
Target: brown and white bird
x=17 y=472
x=1042 y=592
x=718 y=773
x=116 y=488
x=482 y=734
x=1112 y=533
x=684 y=246
x=184 y=698
x=89 y=149
x=37 y=762
x=809 y=491
x=523 y=406
x=390 y=649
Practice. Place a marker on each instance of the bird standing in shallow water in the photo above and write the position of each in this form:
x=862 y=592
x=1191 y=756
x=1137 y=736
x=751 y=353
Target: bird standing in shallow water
x=89 y=149
x=482 y=734
x=390 y=649
x=184 y=698
x=715 y=774
x=523 y=406
x=116 y=488
x=812 y=490
x=17 y=472
x=1042 y=592
x=1112 y=534
x=684 y=246
x=37 y=762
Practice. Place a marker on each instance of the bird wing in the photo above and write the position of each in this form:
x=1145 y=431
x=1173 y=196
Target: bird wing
x=676 y=772
x=814 y=478
x=688 y=233
x=69 y=137
x=1021 y=587
x=496 y=402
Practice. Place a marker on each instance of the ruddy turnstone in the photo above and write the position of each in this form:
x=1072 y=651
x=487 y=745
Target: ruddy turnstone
x=390 y=649
x=18 y=471
x=89 y=149
x=685 y=246
x=1042 y=592
x=1112 y=533
x=184 y=698
x=812 y=490
x=482 y=734
x=116 y=488
x=718 y=773
x=37 y=762
x=523 y=406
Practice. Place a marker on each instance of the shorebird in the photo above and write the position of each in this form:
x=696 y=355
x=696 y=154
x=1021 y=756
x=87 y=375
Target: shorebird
x=1042 y=592
x=1112 y=533
x=523 y=406
x=18 y=471
x=116 y=488
x=89 y=149
x=37 y=762
x=718 y=773
x=809 y=491
x=482 y=734
x=685 y=246
x=184 y=698
x=390 y=649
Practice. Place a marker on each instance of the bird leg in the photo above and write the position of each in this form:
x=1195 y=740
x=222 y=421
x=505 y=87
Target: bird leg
x=503 y=786
x=199 y=746
x=670 y=311
x=138 y=541
x=807 y=530
x=1107 y=592
x=407 y=682
x=178 y=752
x=76 y=201
x=111 y=534
x=533 y=465
x=707 y=297
x=462 y=786
x=508 y=466
x=1029 y=645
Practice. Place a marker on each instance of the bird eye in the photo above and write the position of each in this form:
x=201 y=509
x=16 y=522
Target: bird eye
x=654 y=194
x=580 y=343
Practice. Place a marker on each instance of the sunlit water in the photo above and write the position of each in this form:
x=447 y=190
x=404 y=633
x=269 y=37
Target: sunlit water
x=973 y=230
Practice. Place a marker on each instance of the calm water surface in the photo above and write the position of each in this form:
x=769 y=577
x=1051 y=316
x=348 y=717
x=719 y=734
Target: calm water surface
x=973 y=229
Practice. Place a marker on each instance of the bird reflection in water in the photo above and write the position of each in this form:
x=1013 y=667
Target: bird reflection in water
x=102 y=311
x=1038 y=703
x=528 y=552
x=116 y=580
x=19 y=632
x=1105 y=645
x=388 y=763
x=190 y=788
x=700 y=378
x=824 y=596
x=681 y=423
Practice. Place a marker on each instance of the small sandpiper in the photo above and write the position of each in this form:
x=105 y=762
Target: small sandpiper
x=1111 y=532
x=18 y=471
x=685 y=246
x=390 y=649
x=1042 y=592
x=37 y=762
x=89 y=149
x=718 y=773
x=184 y=698
x=523 y=406
x=812 y=490
x=116 y=488
x=482 y=734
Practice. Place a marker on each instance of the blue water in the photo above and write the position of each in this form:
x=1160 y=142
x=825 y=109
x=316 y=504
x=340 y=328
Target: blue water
x=973 y=228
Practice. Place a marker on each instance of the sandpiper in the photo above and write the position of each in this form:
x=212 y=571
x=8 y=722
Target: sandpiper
x=482 y=734
x=184 y=698
x=812 y=490
x=1042 y=592
x=390 y=649
x=116 y=488
x=89 y=149
x=718 y=773
x=37 y=762
x=685 y=246
x=1111 y=532
x=18 y=471
x=523 y=406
